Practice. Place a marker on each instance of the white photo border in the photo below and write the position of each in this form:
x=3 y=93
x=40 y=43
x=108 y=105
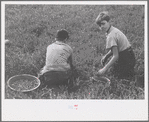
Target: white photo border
x=88 y=110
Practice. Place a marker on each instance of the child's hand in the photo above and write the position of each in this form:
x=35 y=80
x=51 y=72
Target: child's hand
x=101 y=72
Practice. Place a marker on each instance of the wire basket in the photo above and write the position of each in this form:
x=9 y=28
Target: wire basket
x=23 y=83
x=101 y=79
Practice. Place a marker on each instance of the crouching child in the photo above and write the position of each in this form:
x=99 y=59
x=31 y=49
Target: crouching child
x=58 y=66
x=118 y=48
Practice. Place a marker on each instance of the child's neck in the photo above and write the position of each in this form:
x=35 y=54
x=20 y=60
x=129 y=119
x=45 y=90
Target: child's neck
x=108 y=29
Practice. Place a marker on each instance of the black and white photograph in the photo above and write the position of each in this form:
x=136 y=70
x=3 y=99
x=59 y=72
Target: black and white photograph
x=75 y=57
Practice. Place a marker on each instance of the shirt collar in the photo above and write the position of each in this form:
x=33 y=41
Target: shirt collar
x=59 y=42
x=109 y=30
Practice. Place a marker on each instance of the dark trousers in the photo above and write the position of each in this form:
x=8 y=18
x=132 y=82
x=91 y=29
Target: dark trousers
x=55 y=78
x=124 y=67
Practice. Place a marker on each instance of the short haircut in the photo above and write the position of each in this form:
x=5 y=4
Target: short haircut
x=102 y=16
x=62 y=35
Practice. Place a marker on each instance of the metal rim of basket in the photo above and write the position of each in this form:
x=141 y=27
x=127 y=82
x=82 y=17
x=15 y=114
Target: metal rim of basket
x=108 y=80
x=23 y=90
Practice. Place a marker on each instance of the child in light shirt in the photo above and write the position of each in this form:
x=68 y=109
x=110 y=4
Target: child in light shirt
x=118 y=46
x=57 y=69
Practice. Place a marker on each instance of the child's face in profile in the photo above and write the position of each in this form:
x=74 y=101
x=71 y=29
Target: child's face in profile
x=104 y=25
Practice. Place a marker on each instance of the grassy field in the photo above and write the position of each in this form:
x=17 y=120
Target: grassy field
x=31 y=28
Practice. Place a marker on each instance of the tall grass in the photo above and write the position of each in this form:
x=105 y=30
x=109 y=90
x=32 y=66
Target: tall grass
x=31 y=28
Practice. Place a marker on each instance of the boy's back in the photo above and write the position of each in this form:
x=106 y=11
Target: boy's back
x=57 y=56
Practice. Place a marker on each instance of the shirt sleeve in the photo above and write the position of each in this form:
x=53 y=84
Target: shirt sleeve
x=111 y=42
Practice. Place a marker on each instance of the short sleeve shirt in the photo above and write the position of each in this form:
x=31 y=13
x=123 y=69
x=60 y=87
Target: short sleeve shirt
x=116 y=38
x=57 y=56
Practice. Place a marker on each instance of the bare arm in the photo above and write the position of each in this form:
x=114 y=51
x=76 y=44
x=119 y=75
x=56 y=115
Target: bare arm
x=108 y=54
x=70 y=62
x=114 y=58
x=105 y=58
